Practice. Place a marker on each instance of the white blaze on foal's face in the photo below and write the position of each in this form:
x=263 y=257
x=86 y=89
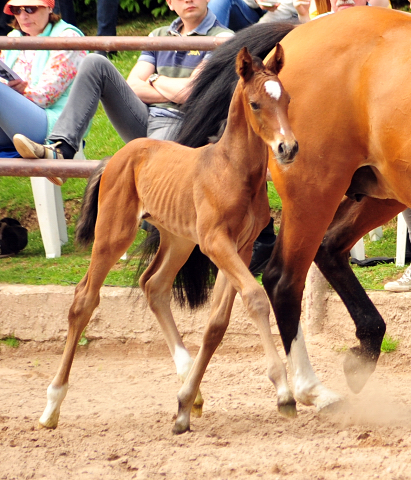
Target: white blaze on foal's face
x=273 y=89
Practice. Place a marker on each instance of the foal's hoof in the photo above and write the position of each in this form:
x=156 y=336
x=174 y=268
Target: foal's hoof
x=197 y=410
x=358 y=368
x=48 y=426
x=288 y=410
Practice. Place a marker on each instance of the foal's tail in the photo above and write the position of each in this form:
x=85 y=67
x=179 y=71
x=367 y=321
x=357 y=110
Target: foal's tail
x=89 y=208
x=207 y=106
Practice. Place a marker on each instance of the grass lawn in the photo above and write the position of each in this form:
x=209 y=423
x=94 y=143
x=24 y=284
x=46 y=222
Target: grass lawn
x=31 y=266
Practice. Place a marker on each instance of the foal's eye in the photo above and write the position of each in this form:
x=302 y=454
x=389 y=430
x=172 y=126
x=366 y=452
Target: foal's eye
x=254 y=106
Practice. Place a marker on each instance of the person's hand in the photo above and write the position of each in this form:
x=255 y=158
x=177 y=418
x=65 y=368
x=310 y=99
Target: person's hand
x=271 y=7
x=303 y=9
x=18 y=85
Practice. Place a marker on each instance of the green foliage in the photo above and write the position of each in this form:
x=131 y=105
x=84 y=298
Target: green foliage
x=273 y=197
x=389 y=344
x=83 y=340
x=10 y=342
x=87 y=8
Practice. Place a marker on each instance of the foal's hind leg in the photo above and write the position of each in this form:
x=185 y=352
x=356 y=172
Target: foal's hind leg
x=223 y=299
x=221 y=251
x=156 y=283
x=352 y=221
x=113 y=235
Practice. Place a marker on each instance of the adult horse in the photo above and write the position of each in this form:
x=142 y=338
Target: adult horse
x=212 y=196
x=349 y=78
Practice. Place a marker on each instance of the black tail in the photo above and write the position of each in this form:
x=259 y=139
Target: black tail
x=193 y=283
x=89 y=208
x=207 y=106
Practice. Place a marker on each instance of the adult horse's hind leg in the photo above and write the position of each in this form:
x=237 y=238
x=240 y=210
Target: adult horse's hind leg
x=156 y=283
x=352 y=221
x=115 y=231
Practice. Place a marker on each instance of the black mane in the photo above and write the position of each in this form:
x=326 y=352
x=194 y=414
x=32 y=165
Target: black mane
x=207 y=106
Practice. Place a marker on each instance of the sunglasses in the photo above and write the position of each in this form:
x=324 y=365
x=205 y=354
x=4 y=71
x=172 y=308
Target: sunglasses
x=18 y=10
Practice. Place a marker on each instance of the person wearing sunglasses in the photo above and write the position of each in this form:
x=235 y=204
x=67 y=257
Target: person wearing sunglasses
x=34 y=102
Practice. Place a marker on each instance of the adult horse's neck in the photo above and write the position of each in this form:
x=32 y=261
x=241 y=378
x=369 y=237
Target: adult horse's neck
x=245 y=149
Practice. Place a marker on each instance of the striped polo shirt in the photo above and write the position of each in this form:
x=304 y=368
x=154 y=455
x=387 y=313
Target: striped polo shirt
x=180 y=64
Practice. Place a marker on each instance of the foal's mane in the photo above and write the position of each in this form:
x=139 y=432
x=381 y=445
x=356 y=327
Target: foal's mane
x=207 y=106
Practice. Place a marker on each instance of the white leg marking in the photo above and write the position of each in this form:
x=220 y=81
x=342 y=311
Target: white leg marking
x=307 y=387
x=183 y=362
x=55 y=397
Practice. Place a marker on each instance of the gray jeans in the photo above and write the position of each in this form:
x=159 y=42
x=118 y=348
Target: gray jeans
x=98 y=79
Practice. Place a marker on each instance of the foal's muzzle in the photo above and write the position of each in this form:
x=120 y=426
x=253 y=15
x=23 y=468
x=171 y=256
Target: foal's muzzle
x=285 y=152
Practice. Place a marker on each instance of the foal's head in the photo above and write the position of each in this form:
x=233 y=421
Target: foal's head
x=267 y=102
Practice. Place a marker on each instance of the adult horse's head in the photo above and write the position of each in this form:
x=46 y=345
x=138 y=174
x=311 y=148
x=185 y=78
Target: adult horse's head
x=267 y=101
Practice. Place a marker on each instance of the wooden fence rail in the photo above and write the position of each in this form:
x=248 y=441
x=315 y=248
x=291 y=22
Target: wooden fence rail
x=111 y=43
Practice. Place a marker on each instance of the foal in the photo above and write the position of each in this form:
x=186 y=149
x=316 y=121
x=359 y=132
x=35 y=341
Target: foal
x=214 y=196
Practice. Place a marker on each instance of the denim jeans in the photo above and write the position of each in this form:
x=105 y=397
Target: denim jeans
x=66 y=9
x=18 y=114
x=107 y=13
x=235 y=14
x=98 y=79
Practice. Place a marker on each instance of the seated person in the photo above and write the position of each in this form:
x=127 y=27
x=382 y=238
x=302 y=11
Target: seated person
x=238 y=14
x=307 y=12
x=32 y=104
x=146 y=105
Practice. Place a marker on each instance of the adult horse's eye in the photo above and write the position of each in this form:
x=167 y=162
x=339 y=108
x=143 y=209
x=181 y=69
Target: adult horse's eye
x=254 y=106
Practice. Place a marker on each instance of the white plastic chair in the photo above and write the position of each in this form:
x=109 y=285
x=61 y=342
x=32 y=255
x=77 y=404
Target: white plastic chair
x=50 y=213
x=358 y=251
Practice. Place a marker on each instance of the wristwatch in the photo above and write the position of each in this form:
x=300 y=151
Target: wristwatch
x=152 y=78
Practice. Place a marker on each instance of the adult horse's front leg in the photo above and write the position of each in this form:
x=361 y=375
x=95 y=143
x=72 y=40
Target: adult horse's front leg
x=352 y=221
x=303 y=224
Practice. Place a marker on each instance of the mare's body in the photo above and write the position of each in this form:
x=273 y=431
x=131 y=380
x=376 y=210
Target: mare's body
x=349 y=77
x=213 y=196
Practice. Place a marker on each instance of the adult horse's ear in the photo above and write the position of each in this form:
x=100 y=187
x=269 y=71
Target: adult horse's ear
x=244 y=64
x=276 y=61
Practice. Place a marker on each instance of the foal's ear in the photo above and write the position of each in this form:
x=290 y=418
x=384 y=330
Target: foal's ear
x=244 y=64
x=276 y=61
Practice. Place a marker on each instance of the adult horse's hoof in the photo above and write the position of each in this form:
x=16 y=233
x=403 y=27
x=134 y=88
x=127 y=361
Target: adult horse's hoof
x=288 y=410
x=358 y=368
x=333 y=408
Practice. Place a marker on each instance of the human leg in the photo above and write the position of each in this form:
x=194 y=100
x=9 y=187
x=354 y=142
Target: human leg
x=163 y=128
x=107 y=14
x=234 y=14
x=18 y=114
x=66 y=9
x=97 y=80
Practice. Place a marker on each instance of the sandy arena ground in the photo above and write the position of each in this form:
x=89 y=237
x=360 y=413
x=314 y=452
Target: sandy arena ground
x=117 y=417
